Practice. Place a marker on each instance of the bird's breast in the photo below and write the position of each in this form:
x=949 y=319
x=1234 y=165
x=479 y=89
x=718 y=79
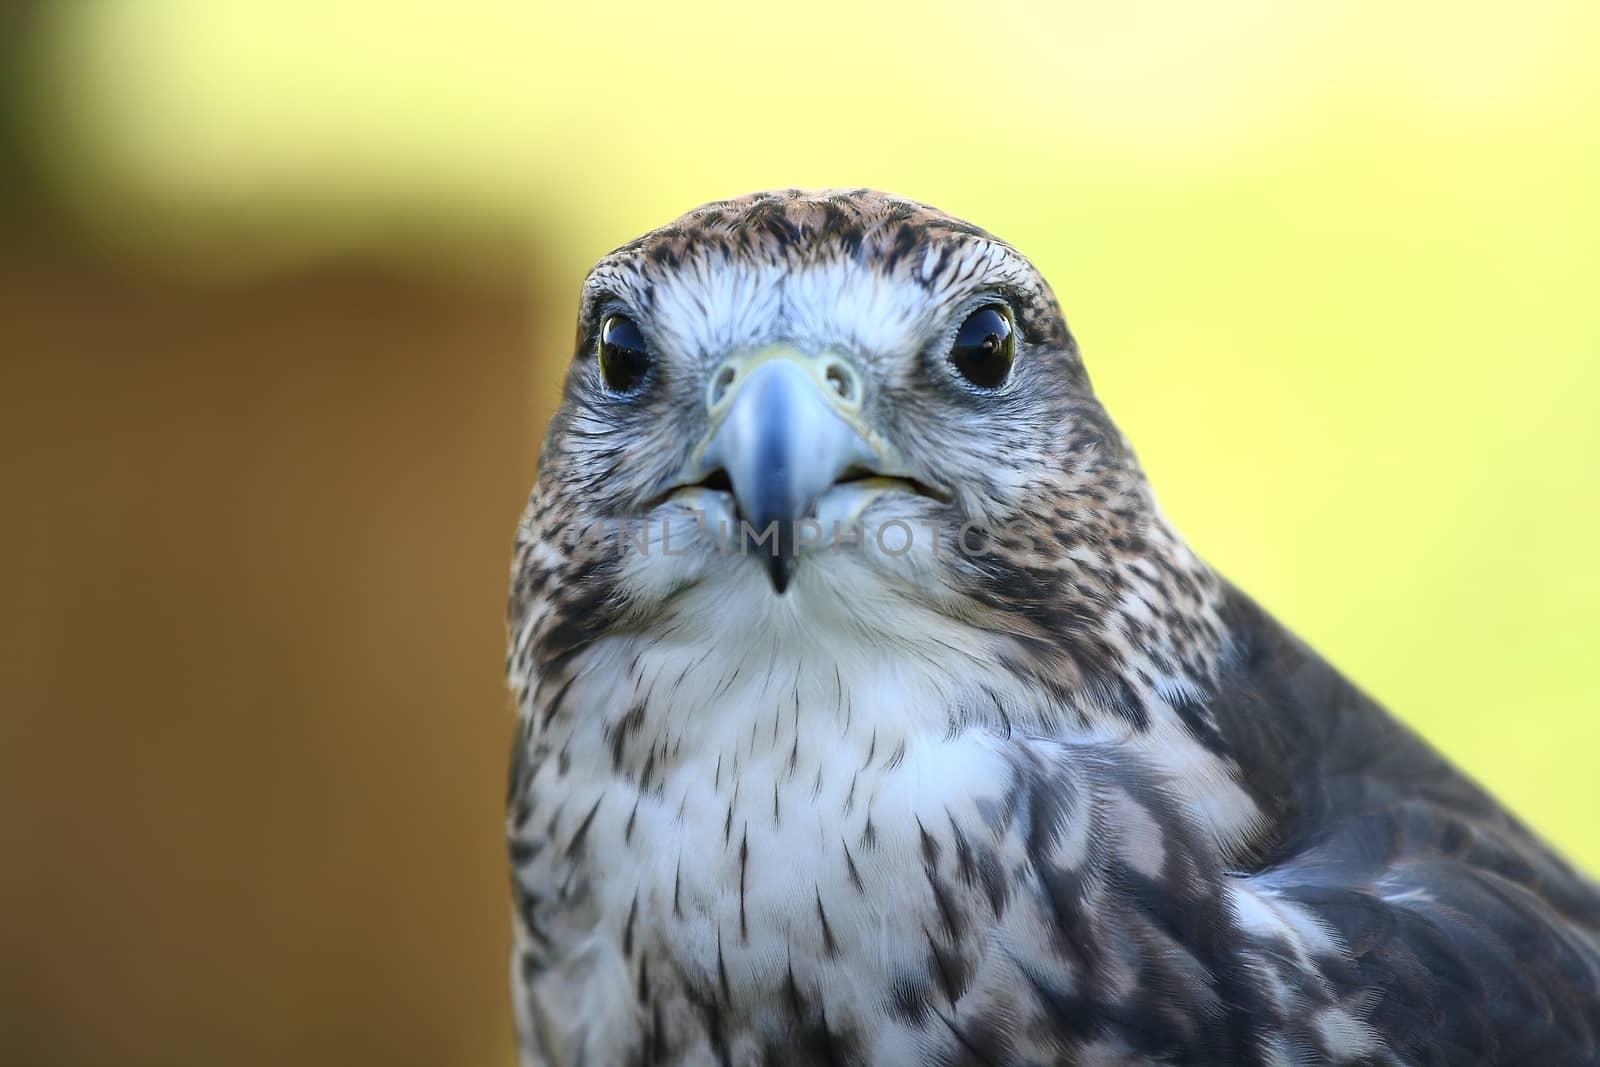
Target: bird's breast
x=746 y=843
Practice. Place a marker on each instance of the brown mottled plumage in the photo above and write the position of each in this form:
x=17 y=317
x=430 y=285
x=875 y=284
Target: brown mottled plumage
x=1040 y=789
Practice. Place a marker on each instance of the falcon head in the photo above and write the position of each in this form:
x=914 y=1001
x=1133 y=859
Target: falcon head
x=803 y=403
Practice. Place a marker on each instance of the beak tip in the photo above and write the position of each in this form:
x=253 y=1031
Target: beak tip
x=780 y=569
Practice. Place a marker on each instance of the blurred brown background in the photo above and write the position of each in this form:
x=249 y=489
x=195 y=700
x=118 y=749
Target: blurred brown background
x=254 y=714
x=286 y=292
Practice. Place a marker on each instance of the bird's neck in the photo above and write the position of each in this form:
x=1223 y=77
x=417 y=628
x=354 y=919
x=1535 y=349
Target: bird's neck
x=794 y=689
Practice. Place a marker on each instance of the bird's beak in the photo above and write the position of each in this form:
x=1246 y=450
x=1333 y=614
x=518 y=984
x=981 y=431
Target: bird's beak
x=785 y=427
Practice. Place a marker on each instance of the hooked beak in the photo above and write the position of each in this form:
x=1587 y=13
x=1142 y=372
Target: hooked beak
x=785 y=434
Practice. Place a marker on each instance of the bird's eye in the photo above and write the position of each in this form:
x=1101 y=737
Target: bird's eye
x=985 y=347
x=623 y=358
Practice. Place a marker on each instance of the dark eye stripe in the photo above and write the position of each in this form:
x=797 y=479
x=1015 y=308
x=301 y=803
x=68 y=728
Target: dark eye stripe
x=624 y=359
x=985 y=347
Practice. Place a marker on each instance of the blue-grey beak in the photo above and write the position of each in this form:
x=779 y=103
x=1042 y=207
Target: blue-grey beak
x=783 y=439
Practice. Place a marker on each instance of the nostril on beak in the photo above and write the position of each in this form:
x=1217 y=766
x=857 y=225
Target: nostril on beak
x=843 y=380
x=720 y=383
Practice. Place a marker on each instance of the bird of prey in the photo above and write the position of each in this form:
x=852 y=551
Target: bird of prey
x=872 y=713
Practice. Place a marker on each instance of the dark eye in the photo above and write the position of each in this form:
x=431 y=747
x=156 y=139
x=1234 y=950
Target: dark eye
x=985 y=347
x=623 y=359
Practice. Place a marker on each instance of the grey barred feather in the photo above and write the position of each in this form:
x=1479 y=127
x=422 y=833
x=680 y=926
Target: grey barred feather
x=1070 y=799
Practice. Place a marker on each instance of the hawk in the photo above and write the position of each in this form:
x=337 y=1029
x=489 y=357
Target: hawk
x=872 y=713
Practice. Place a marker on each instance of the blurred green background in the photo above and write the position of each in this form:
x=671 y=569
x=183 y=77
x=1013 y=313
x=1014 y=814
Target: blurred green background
x=286 y=290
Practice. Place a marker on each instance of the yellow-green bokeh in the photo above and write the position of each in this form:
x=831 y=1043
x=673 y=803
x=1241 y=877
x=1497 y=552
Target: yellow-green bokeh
x=1333 y=265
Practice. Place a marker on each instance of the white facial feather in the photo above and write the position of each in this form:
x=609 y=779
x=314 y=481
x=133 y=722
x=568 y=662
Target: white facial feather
x=712 y=305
